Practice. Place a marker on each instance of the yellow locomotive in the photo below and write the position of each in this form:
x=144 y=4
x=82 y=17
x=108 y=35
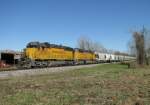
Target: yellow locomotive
x=44 y=54
x=83 y=56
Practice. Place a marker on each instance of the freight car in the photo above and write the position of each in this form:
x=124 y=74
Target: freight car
x=105 y=57
x=44 y=55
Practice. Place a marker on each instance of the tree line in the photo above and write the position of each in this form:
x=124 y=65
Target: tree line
x=86 y=43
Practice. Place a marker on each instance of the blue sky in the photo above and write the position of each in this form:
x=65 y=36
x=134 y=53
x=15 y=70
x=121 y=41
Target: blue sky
x=63 y=21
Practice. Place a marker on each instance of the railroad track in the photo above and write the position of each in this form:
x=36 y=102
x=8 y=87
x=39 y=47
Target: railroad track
x=15 y=68
x=40 y=71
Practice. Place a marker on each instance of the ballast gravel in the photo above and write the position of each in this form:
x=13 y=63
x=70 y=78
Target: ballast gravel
x=41 y=71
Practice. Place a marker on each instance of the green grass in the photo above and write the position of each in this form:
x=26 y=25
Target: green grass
x=111 y=84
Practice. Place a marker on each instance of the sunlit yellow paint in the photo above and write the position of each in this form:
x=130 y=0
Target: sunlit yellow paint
x=84 y=55
x=48 y=54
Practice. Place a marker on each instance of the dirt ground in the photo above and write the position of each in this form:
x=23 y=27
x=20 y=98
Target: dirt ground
x=111 y=84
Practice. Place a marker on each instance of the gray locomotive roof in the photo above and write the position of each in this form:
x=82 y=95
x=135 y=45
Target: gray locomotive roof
x=81 y=50
x=46 y=45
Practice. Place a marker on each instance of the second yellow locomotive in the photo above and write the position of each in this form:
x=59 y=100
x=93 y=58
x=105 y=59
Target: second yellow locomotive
x=83 y=56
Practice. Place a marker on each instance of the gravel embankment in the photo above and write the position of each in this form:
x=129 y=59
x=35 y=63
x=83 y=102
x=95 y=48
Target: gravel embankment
x=39 y=71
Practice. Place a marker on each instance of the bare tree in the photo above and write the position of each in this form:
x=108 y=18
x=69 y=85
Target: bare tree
x=141 y=37
x=86 y=44
x=98 y=47
x=140 y=47
x=81 y=43
x=146 y=34
x=131 y=48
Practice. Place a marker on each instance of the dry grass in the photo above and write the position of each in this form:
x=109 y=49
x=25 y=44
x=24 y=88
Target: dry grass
x=112 y=84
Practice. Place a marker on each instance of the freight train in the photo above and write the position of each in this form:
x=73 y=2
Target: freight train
x=38 y=54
